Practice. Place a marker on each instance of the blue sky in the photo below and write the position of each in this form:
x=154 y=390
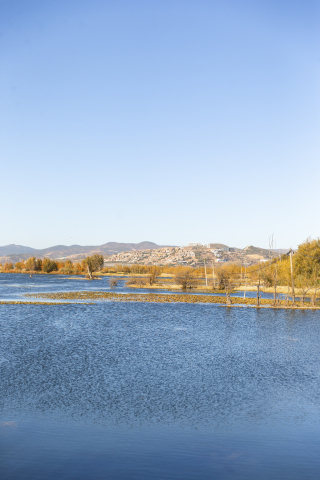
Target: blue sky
x=169 y=121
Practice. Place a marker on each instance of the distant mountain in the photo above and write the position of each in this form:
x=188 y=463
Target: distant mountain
x=217 y=245
x=15 y=249
x=281 y=251
x=251 y=250
x=17 y=252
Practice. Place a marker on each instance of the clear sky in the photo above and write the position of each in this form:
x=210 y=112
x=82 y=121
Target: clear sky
x=172 y=121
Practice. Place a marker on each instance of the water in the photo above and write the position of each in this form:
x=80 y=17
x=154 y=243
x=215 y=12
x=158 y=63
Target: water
x=157 y=391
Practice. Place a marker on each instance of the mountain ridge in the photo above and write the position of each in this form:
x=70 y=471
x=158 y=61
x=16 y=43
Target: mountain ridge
x=15 y=253
x=59 y=251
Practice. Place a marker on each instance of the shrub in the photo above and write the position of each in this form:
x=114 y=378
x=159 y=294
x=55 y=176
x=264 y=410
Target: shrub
x=113 y=282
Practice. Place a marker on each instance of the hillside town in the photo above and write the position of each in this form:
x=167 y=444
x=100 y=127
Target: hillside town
x=194 y=255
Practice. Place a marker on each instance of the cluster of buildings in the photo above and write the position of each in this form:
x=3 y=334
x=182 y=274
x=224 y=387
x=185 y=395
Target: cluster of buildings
x=194 y=254
x=161 y=256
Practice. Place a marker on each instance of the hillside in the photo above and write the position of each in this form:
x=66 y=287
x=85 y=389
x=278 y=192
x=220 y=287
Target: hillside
x=251 y=250
x=192 y=255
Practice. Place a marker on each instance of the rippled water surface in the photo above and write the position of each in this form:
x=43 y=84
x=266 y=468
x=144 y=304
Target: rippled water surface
x=156 y=391
x=15 y=286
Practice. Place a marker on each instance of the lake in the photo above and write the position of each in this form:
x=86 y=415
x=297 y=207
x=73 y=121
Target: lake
x=155 y=391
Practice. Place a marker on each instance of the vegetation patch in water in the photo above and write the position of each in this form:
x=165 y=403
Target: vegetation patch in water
x=163 y=298
x=22 y=302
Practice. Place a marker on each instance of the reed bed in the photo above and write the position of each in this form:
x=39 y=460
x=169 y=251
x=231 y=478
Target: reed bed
x=166 y=298
x=22 y=302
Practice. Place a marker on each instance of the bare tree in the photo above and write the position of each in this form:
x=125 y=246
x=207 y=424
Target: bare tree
x=226 y=282
x=154 y=272
x=113 y=282
x=258 y=287
x=186 y=279
x=89 y=273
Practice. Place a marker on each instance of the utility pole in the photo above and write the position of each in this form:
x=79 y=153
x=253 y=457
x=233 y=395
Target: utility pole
x=245 y=277
x=205 y=272
x=275 y=283
x=271 y=250
x=213 y=277
x=292 y=281
x=258 y=291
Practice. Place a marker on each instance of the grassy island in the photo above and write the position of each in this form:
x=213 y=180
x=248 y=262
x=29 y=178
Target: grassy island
x=169 y=298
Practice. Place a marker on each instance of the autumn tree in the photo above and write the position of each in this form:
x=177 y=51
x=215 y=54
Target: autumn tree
x=67 y=267
x=8 y=266
x=93 y=264
x=78 y=268
x=38 y=265
x=307 y=257
x=307 y=266
x=49 y=265
x=153 y=274
x=30 y=264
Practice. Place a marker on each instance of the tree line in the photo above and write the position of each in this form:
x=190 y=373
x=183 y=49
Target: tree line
x=32 y=265
x=294 y=270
